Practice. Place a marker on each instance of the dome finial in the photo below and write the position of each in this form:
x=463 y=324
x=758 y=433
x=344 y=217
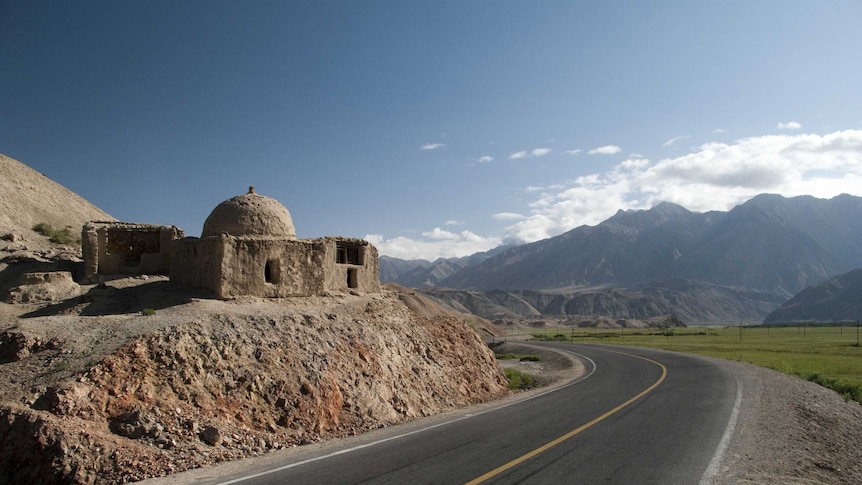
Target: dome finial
x=251 y=189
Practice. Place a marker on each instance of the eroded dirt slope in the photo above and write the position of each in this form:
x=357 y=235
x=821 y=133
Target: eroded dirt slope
x=121 y=397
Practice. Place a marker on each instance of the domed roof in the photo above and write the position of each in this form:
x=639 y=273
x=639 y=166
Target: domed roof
x=250 y=214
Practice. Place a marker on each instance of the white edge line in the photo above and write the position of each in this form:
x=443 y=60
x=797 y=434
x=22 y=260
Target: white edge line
x=713 y=468
x=416 y=431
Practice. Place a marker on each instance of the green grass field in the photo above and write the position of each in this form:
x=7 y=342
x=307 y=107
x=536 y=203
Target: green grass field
x=828 y=355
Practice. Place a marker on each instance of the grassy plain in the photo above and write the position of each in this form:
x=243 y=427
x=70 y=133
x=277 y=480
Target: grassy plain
x=829 y=355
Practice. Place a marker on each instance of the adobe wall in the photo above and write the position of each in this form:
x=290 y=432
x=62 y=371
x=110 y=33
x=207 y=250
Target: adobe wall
x=272 y=267
x=197 y=263
x=122 y=248
x=344 y=275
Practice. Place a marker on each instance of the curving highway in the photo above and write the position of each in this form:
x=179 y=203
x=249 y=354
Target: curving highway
x=637 y=416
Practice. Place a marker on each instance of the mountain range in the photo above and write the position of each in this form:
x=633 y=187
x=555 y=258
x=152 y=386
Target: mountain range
x=838 y=299
x=708 y=267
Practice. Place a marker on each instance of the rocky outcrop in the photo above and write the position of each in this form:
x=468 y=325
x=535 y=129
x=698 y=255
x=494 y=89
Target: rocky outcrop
x=240 y=379
x=44 y=287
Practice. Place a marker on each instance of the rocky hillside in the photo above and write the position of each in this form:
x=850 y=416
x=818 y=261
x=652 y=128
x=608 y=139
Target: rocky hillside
x=689 y=301
x=836 y=300
x=28 y=198
x=117 y=397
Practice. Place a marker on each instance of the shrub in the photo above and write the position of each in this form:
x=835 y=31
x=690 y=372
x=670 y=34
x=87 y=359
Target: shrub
x=56 y=236
x=847 y=390
x=519 y=381
x=555 y=338
x=148 y=312
x=522 y=358
x=505 y=356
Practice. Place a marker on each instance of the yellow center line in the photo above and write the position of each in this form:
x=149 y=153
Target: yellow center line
x=549 y=445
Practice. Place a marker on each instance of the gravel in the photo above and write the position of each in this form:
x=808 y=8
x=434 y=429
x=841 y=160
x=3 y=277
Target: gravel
x=791 y=431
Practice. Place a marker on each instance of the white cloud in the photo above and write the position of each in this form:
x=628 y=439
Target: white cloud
x=533 y=188
x=452 y=222
x=573 y=152
x=715 y=176
x=485 y=159
x=507 y=216
x=719 y=130
x=436 y=243
x=790 y=125
x=536 y=152
x=605 y=150
x=432 y=146
x=673 y=141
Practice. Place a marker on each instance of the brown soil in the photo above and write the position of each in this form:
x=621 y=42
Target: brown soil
x=93 y=391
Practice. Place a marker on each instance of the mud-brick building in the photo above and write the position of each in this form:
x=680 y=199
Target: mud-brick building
x=249 y=247
x=123 y=248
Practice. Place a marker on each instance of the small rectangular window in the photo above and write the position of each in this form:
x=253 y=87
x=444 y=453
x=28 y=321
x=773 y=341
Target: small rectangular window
x=348 y=254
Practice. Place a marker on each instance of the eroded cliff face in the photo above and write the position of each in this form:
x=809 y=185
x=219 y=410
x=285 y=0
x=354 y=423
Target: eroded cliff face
x=216 y=381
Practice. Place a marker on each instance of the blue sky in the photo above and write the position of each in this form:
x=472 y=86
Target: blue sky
x=433 y=128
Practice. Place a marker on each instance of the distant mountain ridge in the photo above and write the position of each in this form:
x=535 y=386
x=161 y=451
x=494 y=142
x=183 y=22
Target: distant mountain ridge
x=687 y=300
x=838 y=299
x=756 y=256
x=419 y=273
x=769 y=243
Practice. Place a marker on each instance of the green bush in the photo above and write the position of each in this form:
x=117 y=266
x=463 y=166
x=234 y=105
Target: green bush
x=559 y=337
x=148 y=312
x=519 y=381
x=847 y=390
x=522 y=358
x=56 y=236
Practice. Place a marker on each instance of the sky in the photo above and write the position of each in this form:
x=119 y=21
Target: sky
x=433 y=129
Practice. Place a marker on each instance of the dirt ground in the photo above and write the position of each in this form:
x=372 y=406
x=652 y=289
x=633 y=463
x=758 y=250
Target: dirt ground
x=139 y=378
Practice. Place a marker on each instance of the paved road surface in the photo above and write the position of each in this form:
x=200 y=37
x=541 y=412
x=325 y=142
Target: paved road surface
x=637 y=417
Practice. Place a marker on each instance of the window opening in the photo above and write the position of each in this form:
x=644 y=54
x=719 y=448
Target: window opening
x=347 y=254
x=272 y=271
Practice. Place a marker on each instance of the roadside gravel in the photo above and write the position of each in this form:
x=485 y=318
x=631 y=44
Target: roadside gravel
x=791 y=431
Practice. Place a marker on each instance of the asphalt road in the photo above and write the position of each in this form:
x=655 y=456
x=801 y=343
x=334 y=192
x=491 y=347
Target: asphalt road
x=637 y=417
